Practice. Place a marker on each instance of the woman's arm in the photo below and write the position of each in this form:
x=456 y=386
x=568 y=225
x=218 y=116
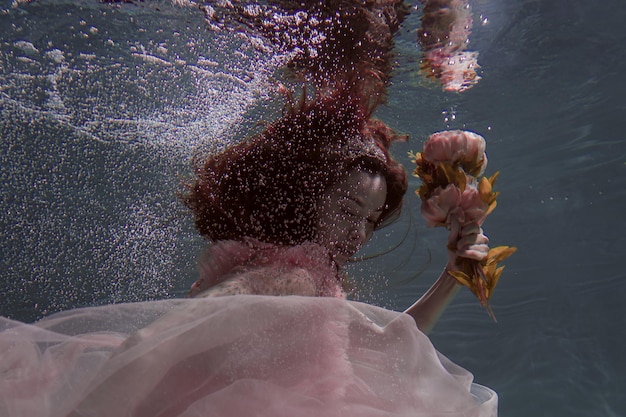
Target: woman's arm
x=469 y=242
x=427 y=310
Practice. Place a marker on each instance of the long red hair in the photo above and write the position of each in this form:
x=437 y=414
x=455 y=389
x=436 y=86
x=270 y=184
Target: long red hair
x=267 y=187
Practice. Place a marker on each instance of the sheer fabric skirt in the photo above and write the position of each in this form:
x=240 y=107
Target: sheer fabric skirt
x=231 y=356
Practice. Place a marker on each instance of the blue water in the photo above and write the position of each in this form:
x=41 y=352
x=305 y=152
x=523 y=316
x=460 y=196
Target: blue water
x=102 y=107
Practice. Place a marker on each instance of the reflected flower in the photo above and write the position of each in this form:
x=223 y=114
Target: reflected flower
x=444 y=36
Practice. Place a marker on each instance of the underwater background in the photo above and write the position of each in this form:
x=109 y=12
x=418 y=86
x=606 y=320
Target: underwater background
x=103 y=106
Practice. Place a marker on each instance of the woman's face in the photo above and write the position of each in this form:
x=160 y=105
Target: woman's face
x=348 y=213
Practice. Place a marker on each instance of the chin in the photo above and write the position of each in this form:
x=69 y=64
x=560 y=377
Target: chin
x=341 y=259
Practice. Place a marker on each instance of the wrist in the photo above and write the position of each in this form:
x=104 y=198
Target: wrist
x=452 y=262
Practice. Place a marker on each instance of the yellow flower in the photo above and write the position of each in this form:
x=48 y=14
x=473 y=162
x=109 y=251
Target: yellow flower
x=482 y=277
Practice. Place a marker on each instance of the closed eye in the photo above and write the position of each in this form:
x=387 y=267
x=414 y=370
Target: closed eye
x=352 y=214
x=355 y=213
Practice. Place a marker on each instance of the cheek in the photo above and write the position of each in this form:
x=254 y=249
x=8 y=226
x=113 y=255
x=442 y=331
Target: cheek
x=332 y=231
x=325 y=231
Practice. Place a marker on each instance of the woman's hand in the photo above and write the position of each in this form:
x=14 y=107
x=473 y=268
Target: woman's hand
x=467 y=241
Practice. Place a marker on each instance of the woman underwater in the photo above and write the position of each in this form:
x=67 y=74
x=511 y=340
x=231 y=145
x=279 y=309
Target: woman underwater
x=308 y=191
x=284 y=211
x=250 y=351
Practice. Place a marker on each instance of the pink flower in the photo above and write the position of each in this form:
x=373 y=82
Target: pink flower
x=474 y=208
x=458 y=71
x=446 y=26
x=457 y=146
x=443 y=203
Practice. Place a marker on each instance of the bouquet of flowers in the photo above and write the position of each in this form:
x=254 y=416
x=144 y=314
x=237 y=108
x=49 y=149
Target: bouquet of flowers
x=454 y=193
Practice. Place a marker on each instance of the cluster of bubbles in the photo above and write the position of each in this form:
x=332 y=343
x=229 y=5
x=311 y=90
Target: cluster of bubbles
x=101 y=108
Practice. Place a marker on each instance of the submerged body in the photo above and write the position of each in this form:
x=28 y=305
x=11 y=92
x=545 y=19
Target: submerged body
x=283 y=210
x=231 y=356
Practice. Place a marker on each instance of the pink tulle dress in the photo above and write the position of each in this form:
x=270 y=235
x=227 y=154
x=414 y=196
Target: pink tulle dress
x=231 y=356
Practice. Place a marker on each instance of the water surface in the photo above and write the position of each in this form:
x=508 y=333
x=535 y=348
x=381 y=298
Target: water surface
x=102 y=106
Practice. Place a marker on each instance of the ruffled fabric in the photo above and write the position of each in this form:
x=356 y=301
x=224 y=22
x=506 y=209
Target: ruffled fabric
x=229 y=357
x=228 y=258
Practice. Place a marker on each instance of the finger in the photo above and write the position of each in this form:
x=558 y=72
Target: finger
x=474 y=239
x=476 y=252
x=471 y=229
